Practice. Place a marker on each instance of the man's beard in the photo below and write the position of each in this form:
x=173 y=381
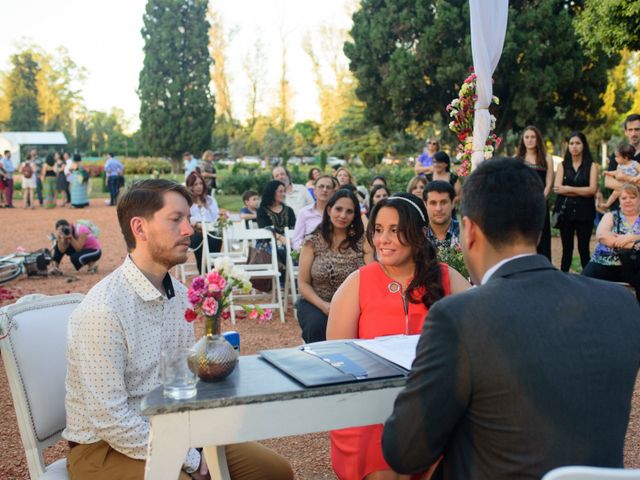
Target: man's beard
x=166 y=257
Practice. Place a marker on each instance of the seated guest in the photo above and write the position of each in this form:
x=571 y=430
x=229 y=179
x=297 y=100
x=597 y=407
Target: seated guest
x=387 y=297
x=275 y=215
x=443 y=230
x=416 y=186
x=298 y=196
x=618 y=229
x=115 y=339
x=344 y=177
x=311 y=215
x=378 y=192
x=526 y=372
x=251 y=202
x=335 y=249
x=314 y=174
x=203 y=210
x=79 y=243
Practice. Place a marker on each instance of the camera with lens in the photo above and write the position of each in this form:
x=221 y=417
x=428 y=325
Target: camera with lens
x=66 y=230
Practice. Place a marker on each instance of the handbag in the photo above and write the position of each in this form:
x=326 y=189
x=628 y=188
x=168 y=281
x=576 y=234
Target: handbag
x=260 y=255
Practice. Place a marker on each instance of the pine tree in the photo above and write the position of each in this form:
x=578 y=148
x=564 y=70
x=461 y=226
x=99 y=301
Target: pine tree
x=23 y=91
x=176 y=105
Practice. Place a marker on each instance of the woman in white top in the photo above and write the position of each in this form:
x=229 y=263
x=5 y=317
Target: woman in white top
x=28 y=170
x=204 y=209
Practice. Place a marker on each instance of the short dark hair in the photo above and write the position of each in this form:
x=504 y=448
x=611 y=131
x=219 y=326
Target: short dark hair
x=77 y=157
x=50 y=160
x=7 y=151
x=269 y=193
x=626 y=150
x=505 y=198
x=634 y=117
x=143 y=199
x=248 y=194
x=439 y=186
x=62 y=223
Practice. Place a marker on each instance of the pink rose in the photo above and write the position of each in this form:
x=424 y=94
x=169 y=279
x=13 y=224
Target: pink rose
x=198 y=284
x=217 y=283
x=190 y=315
x=194 y=296
x=210 y=306
x=253 y=314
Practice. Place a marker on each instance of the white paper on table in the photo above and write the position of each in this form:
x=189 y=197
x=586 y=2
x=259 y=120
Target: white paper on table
x=398 y=349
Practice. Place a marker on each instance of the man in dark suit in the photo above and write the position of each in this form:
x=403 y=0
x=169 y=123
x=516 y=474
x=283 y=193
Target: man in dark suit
x=531 y=370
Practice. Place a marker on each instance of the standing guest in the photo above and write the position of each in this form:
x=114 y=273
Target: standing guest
x=443 y=230
x=344 y=177
x=38 y=162
x=298 y=196
x=28 y=171
x=68 y=163
x=276 y=215
x=526 y=372
x=631 y=128
x=79 y=243
x=203 y=210
x=310 y=216
x=249 y=212
x=424 y=163
x=378 y=192
x=208 y=171
x=80 y=183
x=628 y=170
x=113 y=169
x=618 y=229
x=116 y=336
x=533 y=153
x=336 y=248
x=8 y=167
x=191 y=164
x=442 y=171
x=575 y=185
x=388 y=297
x=314 y=174
x=61 y=178
x=416 y=186
x=48 y=177
x=3 y=179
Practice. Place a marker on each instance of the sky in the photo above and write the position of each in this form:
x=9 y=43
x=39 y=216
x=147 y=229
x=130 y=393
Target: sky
x=104 y=38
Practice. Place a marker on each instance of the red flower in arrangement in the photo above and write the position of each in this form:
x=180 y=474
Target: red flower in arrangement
x=190 y=315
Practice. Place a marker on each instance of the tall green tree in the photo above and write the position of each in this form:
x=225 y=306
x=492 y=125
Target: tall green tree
x=610 y=24
x=23 y=93
x=176 y=104
x=411 y=57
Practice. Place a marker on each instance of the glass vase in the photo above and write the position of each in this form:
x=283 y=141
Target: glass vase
x=213 y=358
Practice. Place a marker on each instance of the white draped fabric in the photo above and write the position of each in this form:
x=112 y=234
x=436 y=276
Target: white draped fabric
x=488 y=28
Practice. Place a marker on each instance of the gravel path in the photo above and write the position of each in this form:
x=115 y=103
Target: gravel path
x=309 y=454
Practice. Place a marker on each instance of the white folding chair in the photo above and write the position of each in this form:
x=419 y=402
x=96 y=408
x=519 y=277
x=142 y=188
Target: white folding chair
x=260 y=270
x=592 y=473
x=237 y=251
x=292 y=274
x=186 y=269
x=34 y=356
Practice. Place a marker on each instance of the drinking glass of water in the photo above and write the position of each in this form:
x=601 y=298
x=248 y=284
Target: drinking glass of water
x=178 y=379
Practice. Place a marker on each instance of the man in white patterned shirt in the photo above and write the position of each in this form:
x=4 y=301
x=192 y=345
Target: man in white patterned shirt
x=114 y=341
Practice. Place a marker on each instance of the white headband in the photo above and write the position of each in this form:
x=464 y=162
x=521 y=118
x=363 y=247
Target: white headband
x=413 y=205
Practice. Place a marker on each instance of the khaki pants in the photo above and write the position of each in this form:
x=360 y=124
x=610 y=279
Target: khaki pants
x=246 y=461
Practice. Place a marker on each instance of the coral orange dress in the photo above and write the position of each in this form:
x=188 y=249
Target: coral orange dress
x=356 y=452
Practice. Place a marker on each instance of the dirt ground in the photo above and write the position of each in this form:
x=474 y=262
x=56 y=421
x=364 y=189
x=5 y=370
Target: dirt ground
x=309 y=454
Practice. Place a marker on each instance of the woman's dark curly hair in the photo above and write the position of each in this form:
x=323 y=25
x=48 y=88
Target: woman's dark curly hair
x=269 y=193
x=357 y=227
x=411 y=231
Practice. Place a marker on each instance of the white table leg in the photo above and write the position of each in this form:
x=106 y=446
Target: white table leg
x=168 y=446
x=217 y=462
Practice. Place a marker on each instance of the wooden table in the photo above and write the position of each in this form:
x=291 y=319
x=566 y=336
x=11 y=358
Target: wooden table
x=255 y=402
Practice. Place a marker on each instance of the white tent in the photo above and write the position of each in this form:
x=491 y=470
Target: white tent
x=12 y=141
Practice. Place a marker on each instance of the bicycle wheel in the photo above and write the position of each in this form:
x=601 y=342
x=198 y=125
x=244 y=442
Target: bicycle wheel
x=9 y=271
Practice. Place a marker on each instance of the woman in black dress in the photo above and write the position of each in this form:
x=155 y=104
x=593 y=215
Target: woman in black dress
x=274 y=214
x=532 y=152
x=576 y=184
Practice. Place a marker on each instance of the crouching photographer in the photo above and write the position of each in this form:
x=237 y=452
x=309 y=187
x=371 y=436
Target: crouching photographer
x=79 y=243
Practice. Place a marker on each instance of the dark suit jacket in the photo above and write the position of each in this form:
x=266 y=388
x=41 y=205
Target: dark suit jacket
x=532 y=371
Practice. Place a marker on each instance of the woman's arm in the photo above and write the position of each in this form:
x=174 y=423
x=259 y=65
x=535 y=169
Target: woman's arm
x=548 y=184
x=367 y=252
x=589 y=191
x=78 y=242
x=457 y=281
x=307 y=256
x=604 y=232
x=345 y=309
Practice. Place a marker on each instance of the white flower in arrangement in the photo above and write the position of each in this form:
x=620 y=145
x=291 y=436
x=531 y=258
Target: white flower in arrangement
x=488 y=152
x=240 y=274
x=493 y=122
x=455 y=102
x=495 y=100
x=453 y=112
x=451 y=125
x=223 y=264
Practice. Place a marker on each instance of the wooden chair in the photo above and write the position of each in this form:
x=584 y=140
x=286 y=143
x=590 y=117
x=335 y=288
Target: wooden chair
x=34 y=356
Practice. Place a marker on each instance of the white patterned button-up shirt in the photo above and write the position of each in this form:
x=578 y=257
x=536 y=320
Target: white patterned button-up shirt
x=114 y=340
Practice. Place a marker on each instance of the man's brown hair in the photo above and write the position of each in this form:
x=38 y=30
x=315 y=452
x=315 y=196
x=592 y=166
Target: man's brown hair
x=143 y=199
